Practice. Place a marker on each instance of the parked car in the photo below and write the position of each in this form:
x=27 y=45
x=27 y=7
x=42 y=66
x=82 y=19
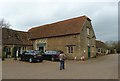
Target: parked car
x=51 y=55
x=31 y=56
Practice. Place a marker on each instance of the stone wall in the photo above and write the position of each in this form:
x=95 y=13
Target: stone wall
x=80 y=43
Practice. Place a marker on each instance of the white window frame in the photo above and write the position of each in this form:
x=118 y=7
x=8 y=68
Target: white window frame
x=88 y=31
x=70 y=49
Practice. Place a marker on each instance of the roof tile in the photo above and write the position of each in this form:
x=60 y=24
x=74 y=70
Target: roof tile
x=66 y=27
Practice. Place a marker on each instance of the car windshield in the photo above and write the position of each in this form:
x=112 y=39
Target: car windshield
x=33 y=52
x=52 y=52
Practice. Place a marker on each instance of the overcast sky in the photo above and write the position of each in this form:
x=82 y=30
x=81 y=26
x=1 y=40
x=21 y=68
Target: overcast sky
x=25 y=14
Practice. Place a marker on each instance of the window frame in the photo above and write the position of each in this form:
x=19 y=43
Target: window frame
x=70 y=48
x=88 y=31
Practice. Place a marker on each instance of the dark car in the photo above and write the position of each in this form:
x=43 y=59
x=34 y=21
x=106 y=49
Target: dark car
x=51 y=55
x=31 y=56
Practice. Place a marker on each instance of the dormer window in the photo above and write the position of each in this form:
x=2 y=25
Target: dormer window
x=88 y=31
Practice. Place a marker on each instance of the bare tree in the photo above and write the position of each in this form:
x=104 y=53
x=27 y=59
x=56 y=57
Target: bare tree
x=4 y=24
x=113 y=45
x=118 y=47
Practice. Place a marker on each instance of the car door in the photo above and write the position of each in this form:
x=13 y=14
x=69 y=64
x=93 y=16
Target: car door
x=46 y=55
x=26 y=56
x=22 y=56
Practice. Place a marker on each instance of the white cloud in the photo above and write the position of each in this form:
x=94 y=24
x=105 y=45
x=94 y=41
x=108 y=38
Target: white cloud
x=24 y=14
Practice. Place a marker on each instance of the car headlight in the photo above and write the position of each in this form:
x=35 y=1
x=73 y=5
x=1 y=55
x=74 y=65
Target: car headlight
x=35 y=56
x=39 y=55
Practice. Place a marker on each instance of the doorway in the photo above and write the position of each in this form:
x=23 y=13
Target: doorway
x=19 y=51
x=89 y=52
x=41 y=49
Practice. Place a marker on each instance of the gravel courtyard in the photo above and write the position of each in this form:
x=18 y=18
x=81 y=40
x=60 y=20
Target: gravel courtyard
x=0 y=69
x=102 y=67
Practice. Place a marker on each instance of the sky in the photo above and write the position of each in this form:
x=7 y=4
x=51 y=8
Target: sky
x=25 y=14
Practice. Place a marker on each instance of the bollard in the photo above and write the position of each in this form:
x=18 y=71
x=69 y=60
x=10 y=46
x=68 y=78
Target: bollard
x=75 y=58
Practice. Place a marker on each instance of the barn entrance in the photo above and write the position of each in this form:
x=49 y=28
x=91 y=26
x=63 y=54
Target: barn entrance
x=41 y=47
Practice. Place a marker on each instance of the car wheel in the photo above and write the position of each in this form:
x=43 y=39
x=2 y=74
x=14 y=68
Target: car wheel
x=30 y=60
x=21 y=59
x=52 y=59
x=41 y=60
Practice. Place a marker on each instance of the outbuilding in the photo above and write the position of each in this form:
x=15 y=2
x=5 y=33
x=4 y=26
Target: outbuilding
x=75 y=37
x=13 y=41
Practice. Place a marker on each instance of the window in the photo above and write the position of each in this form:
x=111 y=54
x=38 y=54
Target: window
x=99 y=49
x=24 y=48
x=70 y=49
x=88 y=31
x=51 y=52
x=8 y=49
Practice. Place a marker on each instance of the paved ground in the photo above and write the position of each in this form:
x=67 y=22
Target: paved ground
x=0 y=69
x=102 y=67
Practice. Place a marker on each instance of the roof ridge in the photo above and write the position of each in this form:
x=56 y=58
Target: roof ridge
x=59 y=22
x=65 y=27
x=14 y=30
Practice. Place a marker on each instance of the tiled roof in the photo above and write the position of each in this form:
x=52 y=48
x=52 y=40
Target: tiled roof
x=100 y=44
x=66 y=27
x=13 y=37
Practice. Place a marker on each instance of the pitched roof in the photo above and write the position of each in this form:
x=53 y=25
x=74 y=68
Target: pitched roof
x=13 y=37
x=66 y=27
x=100 y=44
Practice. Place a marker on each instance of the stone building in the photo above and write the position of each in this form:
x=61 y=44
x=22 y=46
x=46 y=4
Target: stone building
x=0 y=42
x=75 y=37
x=13 y=40
x=101 y=48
